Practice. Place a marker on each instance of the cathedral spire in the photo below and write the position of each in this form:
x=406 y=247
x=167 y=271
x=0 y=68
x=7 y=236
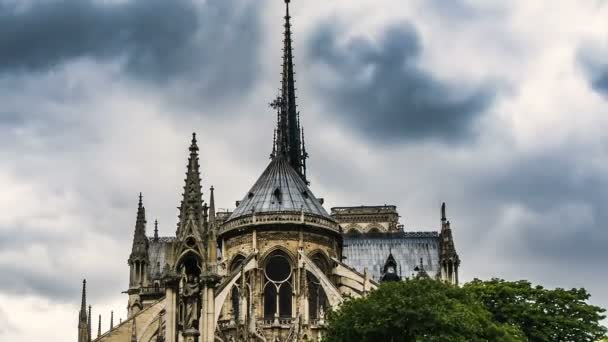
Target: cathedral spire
x=192 y=200
x=443 y=217
x=288 y=134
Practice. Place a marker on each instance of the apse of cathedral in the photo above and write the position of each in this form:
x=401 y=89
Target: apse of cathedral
x=270 y=269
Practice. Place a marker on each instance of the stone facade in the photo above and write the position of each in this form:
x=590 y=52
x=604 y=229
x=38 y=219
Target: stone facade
x=272 y=267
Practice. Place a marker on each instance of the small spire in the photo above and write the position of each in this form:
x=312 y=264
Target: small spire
x=192 y=199
x=155 y=230
x=83 y=304
x=90 y=324
x=111 y=320
x=443 y=216
x=99 y=327
x=212 y=205
x=83 y=330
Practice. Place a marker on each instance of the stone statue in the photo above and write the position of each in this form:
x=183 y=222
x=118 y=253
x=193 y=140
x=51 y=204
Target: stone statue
x=190 y=294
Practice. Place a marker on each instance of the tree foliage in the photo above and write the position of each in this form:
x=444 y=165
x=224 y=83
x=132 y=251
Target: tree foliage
x=416 y=310
x=541 y=314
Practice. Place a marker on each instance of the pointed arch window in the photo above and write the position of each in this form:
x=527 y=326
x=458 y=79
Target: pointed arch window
x=278 y=289
x=317 y=300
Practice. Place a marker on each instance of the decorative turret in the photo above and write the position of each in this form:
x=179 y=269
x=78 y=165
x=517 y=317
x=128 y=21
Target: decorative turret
x=448 y=258
x=289 y=139
x=138 y=260
x=83 y=326
x=155 y=230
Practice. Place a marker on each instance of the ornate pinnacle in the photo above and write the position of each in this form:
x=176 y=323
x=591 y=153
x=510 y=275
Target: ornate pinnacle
x=443 y=217
x=192 y=196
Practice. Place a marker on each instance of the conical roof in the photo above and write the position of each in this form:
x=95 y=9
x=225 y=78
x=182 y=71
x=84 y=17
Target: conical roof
x=279 y=189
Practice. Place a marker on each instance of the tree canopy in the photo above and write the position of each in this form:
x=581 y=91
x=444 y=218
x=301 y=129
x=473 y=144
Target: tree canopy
x=541 y=314
x=416 y=310
x=495 y=310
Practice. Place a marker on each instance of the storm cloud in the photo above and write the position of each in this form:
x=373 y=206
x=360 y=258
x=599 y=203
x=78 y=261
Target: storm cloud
x=380 y=89
x=208 y=45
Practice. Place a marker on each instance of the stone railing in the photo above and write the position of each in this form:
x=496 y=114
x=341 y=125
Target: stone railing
x=281 y=217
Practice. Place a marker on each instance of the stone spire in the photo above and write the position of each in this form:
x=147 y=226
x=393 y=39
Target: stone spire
x=99 y=327
x=89 y=328
x=289 y=139
x=448 y=257
x=140 y=241
x=192 y=201
x=111 y=320
x=212 y=206
x=138 y=260
x=83 y=329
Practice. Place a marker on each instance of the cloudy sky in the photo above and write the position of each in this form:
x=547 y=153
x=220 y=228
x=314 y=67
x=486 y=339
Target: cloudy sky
x=499 y=108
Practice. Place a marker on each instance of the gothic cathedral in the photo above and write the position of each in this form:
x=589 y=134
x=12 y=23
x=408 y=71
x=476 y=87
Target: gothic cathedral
x=271 y=268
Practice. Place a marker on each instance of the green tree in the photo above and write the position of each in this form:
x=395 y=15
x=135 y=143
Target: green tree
x=541 y=314
x=416 y=310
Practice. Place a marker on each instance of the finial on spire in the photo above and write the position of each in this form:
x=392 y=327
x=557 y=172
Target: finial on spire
x=99 y=327
x=193 y=145
x=443 y=216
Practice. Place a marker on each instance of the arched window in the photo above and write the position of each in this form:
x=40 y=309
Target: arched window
x=235 y=296
x=317 y=300
x=277 y=287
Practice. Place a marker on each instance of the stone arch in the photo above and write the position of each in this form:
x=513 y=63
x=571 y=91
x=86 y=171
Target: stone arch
x=374 y=228
x=185 y=254
x=322 y=256
x=235 y=261
x=292 y=257
x=353 y=228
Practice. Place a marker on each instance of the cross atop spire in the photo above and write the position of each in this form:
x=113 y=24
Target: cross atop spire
x=289 y=139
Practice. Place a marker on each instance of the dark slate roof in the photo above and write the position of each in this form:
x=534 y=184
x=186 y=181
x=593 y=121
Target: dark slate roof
x=158 y=253
x=279 y=188
x=371 y=252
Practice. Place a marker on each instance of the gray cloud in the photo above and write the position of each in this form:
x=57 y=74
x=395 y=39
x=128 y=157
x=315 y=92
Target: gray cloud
x=210 y=46
x=593 y=60
x=382 y=91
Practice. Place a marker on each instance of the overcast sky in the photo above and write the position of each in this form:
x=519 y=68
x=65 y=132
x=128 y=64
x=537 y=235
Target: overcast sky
x=499 y=108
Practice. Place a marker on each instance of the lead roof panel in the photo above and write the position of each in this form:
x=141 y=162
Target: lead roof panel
x=372 y=252
x=279 y=188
